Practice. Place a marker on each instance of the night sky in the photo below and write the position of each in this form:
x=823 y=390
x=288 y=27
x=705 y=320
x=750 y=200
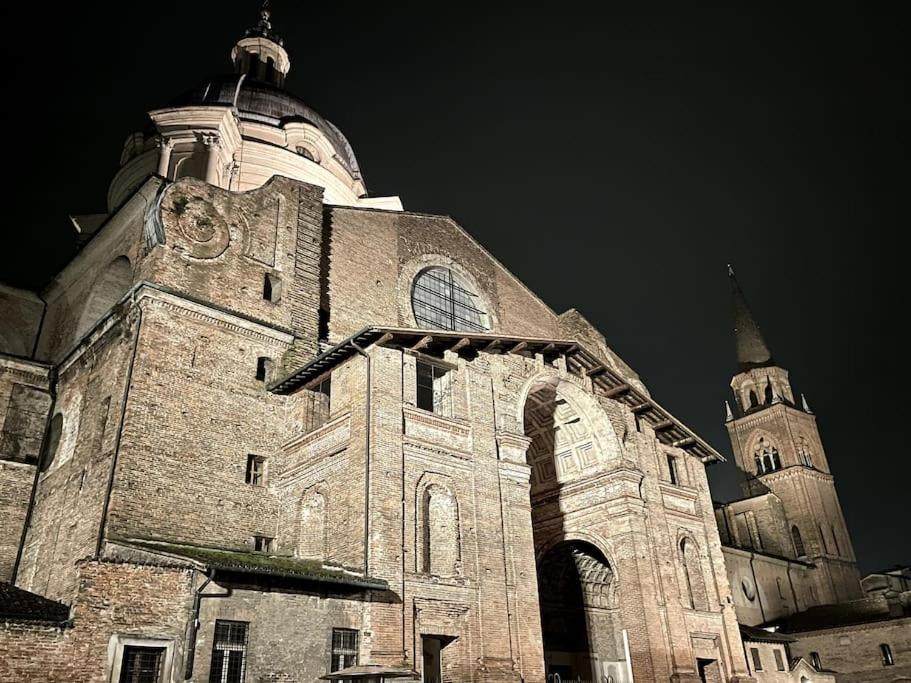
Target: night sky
x=614 y=162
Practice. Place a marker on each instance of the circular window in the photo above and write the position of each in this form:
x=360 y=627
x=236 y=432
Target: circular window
x=53 y=441
x=749 y=590
x=443 y=300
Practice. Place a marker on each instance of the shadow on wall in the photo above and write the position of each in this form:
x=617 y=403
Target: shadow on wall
x=108 y=288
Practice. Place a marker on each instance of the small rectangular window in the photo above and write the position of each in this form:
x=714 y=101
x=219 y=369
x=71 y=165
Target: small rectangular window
x=779 y=660
x=256 y=470
x=673 y=474
x=886 y=652
x=434 y=388
x=757 y=661
x=272 y=288
x=262 y=544
x=141 y=664
x=263 y=368
x=344 y=649
x=229 y=652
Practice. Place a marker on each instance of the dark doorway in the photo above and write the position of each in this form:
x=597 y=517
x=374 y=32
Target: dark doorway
x=709 y=671
x=432 y=671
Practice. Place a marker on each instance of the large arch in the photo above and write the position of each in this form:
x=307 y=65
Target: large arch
x=572 y=439
x=580 y=617
x=108 y=288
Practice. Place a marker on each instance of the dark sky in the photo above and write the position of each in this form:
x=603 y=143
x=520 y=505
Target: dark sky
x=615 y=162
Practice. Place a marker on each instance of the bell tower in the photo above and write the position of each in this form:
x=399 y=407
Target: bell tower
x=778 y=449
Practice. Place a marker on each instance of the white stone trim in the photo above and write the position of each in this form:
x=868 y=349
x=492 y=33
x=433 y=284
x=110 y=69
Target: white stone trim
x=119 y=641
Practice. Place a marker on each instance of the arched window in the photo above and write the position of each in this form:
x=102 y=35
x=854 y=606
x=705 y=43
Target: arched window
x=769 y=394
x=696 y=596
x=754 y=400
x=443 y=300
x=886 y=653
x=799 y=549
x=766 y=457
x=53 y=441
x=312 y=526
x=441 y=552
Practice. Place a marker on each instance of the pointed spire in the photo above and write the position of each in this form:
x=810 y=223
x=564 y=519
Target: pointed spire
x=729 y=414
x=806 y=406
x=752 y=351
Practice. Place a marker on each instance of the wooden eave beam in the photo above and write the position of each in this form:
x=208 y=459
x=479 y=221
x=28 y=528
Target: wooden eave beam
x=618 y=390
x=422 y=343
x=686 y=442
x=461 y=344
x=518 y=347
x=597 y=370
x=664 y=424
x=641 y=408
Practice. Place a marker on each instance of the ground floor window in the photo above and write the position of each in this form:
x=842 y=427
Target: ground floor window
x=141 y=664
x=344 y=649
x=229 y=652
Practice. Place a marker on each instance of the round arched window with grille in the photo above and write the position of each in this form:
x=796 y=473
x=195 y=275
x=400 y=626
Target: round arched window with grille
x=441 y=299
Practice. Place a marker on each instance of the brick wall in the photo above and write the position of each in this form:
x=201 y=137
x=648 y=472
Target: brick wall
x=113 y=599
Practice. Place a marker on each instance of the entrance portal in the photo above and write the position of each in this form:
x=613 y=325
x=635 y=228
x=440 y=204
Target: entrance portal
x=581 y=638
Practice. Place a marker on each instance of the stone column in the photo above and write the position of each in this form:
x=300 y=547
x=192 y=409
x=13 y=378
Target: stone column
x=164 y=157
x=211 y=142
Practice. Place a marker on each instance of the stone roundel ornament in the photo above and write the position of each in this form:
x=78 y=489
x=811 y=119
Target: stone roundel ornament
x=201 y=230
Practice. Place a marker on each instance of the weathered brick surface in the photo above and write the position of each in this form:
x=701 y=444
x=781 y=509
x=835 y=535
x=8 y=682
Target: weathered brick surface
x=112 y=600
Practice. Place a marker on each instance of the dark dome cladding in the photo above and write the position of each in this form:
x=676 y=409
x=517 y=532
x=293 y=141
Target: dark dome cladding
x=260 y=101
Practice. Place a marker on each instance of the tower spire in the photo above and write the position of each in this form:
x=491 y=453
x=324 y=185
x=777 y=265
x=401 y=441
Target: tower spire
x=752 y=351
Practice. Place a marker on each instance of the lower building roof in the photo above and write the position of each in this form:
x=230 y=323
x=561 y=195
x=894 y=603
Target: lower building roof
x=257 y=563
x=21 y=605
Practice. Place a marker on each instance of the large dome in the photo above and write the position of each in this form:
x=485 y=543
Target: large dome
x=239 y=130
x=257 y=100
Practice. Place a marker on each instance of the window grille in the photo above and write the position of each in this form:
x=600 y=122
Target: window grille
x=434 y=388
x=262 y=544
x=344 y=648
x=256 y=470
x=441 y=300
x=229 y=652
x=141 y=664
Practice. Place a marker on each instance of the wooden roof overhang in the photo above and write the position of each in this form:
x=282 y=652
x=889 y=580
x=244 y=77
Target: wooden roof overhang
x=579 y=361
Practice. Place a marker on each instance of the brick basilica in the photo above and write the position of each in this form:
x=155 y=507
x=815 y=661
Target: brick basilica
x=266 y=427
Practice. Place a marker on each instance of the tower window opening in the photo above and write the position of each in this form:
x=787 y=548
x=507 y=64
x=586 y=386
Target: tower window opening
x=272 y=288
x=766 y=457
x=886 y=653
x=816 y=661
x=779 y=660
x=799 y=549
x=757 y=660
x=835 y=539
x=754 y=400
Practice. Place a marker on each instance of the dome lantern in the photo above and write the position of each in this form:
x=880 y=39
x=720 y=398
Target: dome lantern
x=260 y=54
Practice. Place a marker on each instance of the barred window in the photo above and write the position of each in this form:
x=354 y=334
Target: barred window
x=141 y=664
x=229 y=652
x=442 y=300
x=344 y=649
x=672 y=470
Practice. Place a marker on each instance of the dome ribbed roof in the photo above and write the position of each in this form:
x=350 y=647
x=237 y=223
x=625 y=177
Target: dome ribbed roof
x=260 y=101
